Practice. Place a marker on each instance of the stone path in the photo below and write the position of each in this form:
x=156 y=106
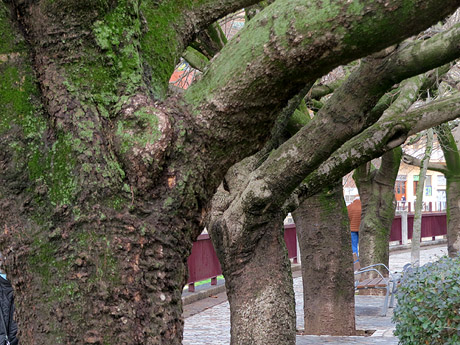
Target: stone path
x=212 y=326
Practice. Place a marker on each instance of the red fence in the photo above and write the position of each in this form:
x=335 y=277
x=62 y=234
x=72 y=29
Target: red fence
x=433 y=224
x=290 y=237
x=203 y=263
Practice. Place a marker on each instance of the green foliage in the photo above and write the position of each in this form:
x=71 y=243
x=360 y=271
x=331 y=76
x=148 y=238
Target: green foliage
x=428 y=310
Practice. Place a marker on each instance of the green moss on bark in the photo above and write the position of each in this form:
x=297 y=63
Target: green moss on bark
x=11 y=41
x=17 y=86
x=130 y=135
x=161 y=43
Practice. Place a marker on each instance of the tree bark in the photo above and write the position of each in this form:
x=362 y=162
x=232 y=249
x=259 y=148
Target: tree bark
x=376 y=190
x=262 y=305
x=452 y=173
x=302 y=153
x=255 y=265
x=327 y=263
x=453 y=215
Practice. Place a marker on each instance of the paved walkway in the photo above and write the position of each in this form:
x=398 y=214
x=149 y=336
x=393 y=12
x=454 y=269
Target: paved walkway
x=212 y=324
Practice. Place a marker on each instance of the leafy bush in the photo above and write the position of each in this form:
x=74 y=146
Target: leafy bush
x=428 y=310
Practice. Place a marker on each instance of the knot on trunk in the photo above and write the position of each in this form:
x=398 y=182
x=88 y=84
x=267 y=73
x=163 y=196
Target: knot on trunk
x=142 y=136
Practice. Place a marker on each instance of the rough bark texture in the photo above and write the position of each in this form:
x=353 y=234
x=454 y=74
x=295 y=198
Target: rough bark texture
x=327 y=263
x=262 y=305
x=453 y=215
x=105 y=178
x=254 y=262
x=417 y=228
x=376 y=190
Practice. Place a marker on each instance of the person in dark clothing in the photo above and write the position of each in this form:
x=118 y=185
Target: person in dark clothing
x=7 y=310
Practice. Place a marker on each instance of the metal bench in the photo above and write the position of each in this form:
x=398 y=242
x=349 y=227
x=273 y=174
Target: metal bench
x=380 y=282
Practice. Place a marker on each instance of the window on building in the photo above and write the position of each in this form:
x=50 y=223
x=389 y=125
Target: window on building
x=427 y=183
x=441 y=180
x=400 y=189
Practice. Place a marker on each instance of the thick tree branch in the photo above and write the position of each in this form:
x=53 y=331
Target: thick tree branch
x=378 y=139
x=411 y=160
x=449 y=148
x=195 y=58
x=254 y=70
x=343 y=117
x=408 y=94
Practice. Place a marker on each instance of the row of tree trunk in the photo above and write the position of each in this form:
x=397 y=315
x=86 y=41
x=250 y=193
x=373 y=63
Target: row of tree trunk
x=107 y=173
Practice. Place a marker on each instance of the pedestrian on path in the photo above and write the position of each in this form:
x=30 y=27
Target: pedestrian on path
x=8 y=327
x=354 y=214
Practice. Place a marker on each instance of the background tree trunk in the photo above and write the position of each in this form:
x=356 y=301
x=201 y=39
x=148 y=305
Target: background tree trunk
x=453 y=214
x=452 y=156
x=417 y=228
x=327 y=263
x=376 y=190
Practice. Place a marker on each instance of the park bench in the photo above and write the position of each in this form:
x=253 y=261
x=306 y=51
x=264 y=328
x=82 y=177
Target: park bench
x=380 y=282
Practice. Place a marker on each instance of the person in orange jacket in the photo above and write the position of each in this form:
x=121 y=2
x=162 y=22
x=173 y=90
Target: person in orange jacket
x=354 y=214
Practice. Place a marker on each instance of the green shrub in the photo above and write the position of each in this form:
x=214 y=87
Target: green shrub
x=428 y=310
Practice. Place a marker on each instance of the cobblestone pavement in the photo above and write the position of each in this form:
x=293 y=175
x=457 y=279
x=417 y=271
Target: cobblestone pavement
x=212 y=326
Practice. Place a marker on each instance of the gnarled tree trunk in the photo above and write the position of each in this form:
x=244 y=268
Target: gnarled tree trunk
x=376 y=190
x=452 y=172
x=260 y=292
x=254 y=263
x=327 y=263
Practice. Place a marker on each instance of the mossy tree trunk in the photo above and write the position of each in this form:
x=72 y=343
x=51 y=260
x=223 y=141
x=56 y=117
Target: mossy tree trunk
x=105 y=176
x=327 y=263
x=452 y=173
x=376 y=190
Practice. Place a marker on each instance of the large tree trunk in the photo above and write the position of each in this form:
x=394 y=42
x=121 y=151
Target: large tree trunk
x=327 y=264
x=251 y=249
x=261 y=294
x=376 y=190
